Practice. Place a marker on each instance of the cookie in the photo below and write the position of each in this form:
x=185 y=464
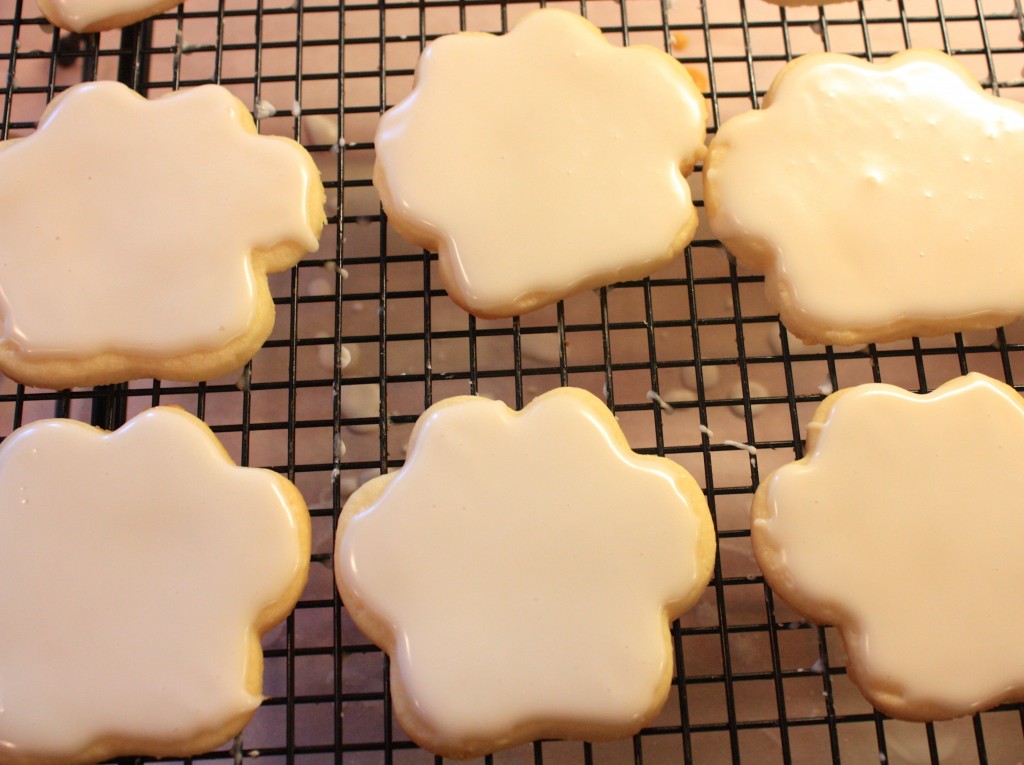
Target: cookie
x=902 y=526
x=138 y=570
x=879 y=200
x=521 y=570
x=99 y=15
x=541 y=163
x=135 y=236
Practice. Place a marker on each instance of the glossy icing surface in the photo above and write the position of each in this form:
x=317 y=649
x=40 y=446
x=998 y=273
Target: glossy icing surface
x=80 y=15
x=904 y=525
x=147 y=246
x=884 y=193
x=133 y=568
x=525 y=564
x=543 y=157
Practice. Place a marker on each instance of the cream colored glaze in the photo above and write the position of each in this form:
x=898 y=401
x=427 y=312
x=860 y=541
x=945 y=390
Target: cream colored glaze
x=542 y=162
x=523 y=566
x=95 y=15
x=904 y=525
x=886 y=195
x=129 y=225
x=133 y=568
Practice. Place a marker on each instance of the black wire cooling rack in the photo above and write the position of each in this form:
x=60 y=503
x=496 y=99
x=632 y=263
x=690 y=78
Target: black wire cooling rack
x=755 y=684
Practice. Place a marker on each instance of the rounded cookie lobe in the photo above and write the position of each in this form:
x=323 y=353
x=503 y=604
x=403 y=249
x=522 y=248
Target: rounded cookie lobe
x=521 y=570
x=152 y=260
x=541 y=163
x=880 y=200
x=903 y=519
x=84 y=16
x=134 y=589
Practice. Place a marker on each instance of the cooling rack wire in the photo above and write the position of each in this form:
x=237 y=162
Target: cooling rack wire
x=755 y=684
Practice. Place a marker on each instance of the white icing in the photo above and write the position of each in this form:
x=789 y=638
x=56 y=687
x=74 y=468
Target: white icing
x=886 y=192
x=905 y=522
x=262 y=109
x=526 y=561
x=656 y=398
x=523 y=153
x=128 y=225
x=750 y=448
x=133 y=566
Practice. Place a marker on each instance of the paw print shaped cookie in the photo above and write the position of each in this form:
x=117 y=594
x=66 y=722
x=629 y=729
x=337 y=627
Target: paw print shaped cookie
x=881 y=201
x=521 y=571
x=138 y=570
x=98 y=15
x=135 y=236
x=541 y=163
x=902 y=526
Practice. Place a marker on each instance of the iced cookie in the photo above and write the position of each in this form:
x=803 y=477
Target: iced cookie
x=880 y=201
x=98 y=15
x=135 y=236
x=138 y=570
x=902 y=526
x=541 y=163
x=521 y=571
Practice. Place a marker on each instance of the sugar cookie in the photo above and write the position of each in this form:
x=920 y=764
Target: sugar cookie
x=881 y=201
x=521 y=570
x=138 y=570
x=135 y=236
x=541 y=163
x=98 y=15
x=902 y=526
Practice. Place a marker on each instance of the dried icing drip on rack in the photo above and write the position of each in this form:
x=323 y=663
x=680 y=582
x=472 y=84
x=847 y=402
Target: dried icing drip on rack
x=904 y=516
x=170 y=214
x=881 y=200
x=96 y=15
x=133 y=590
x=521 y=570
x=516 y=155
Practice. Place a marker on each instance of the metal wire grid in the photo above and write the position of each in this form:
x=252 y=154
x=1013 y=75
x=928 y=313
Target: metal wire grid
x=746 y=666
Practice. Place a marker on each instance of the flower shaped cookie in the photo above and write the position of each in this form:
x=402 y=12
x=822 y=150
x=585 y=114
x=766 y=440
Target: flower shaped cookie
x=881 y=201
x=138 y=570
x=903 y=527
x=521 y=570
x=541 y=163
x=97 y=15
x=135 y=236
